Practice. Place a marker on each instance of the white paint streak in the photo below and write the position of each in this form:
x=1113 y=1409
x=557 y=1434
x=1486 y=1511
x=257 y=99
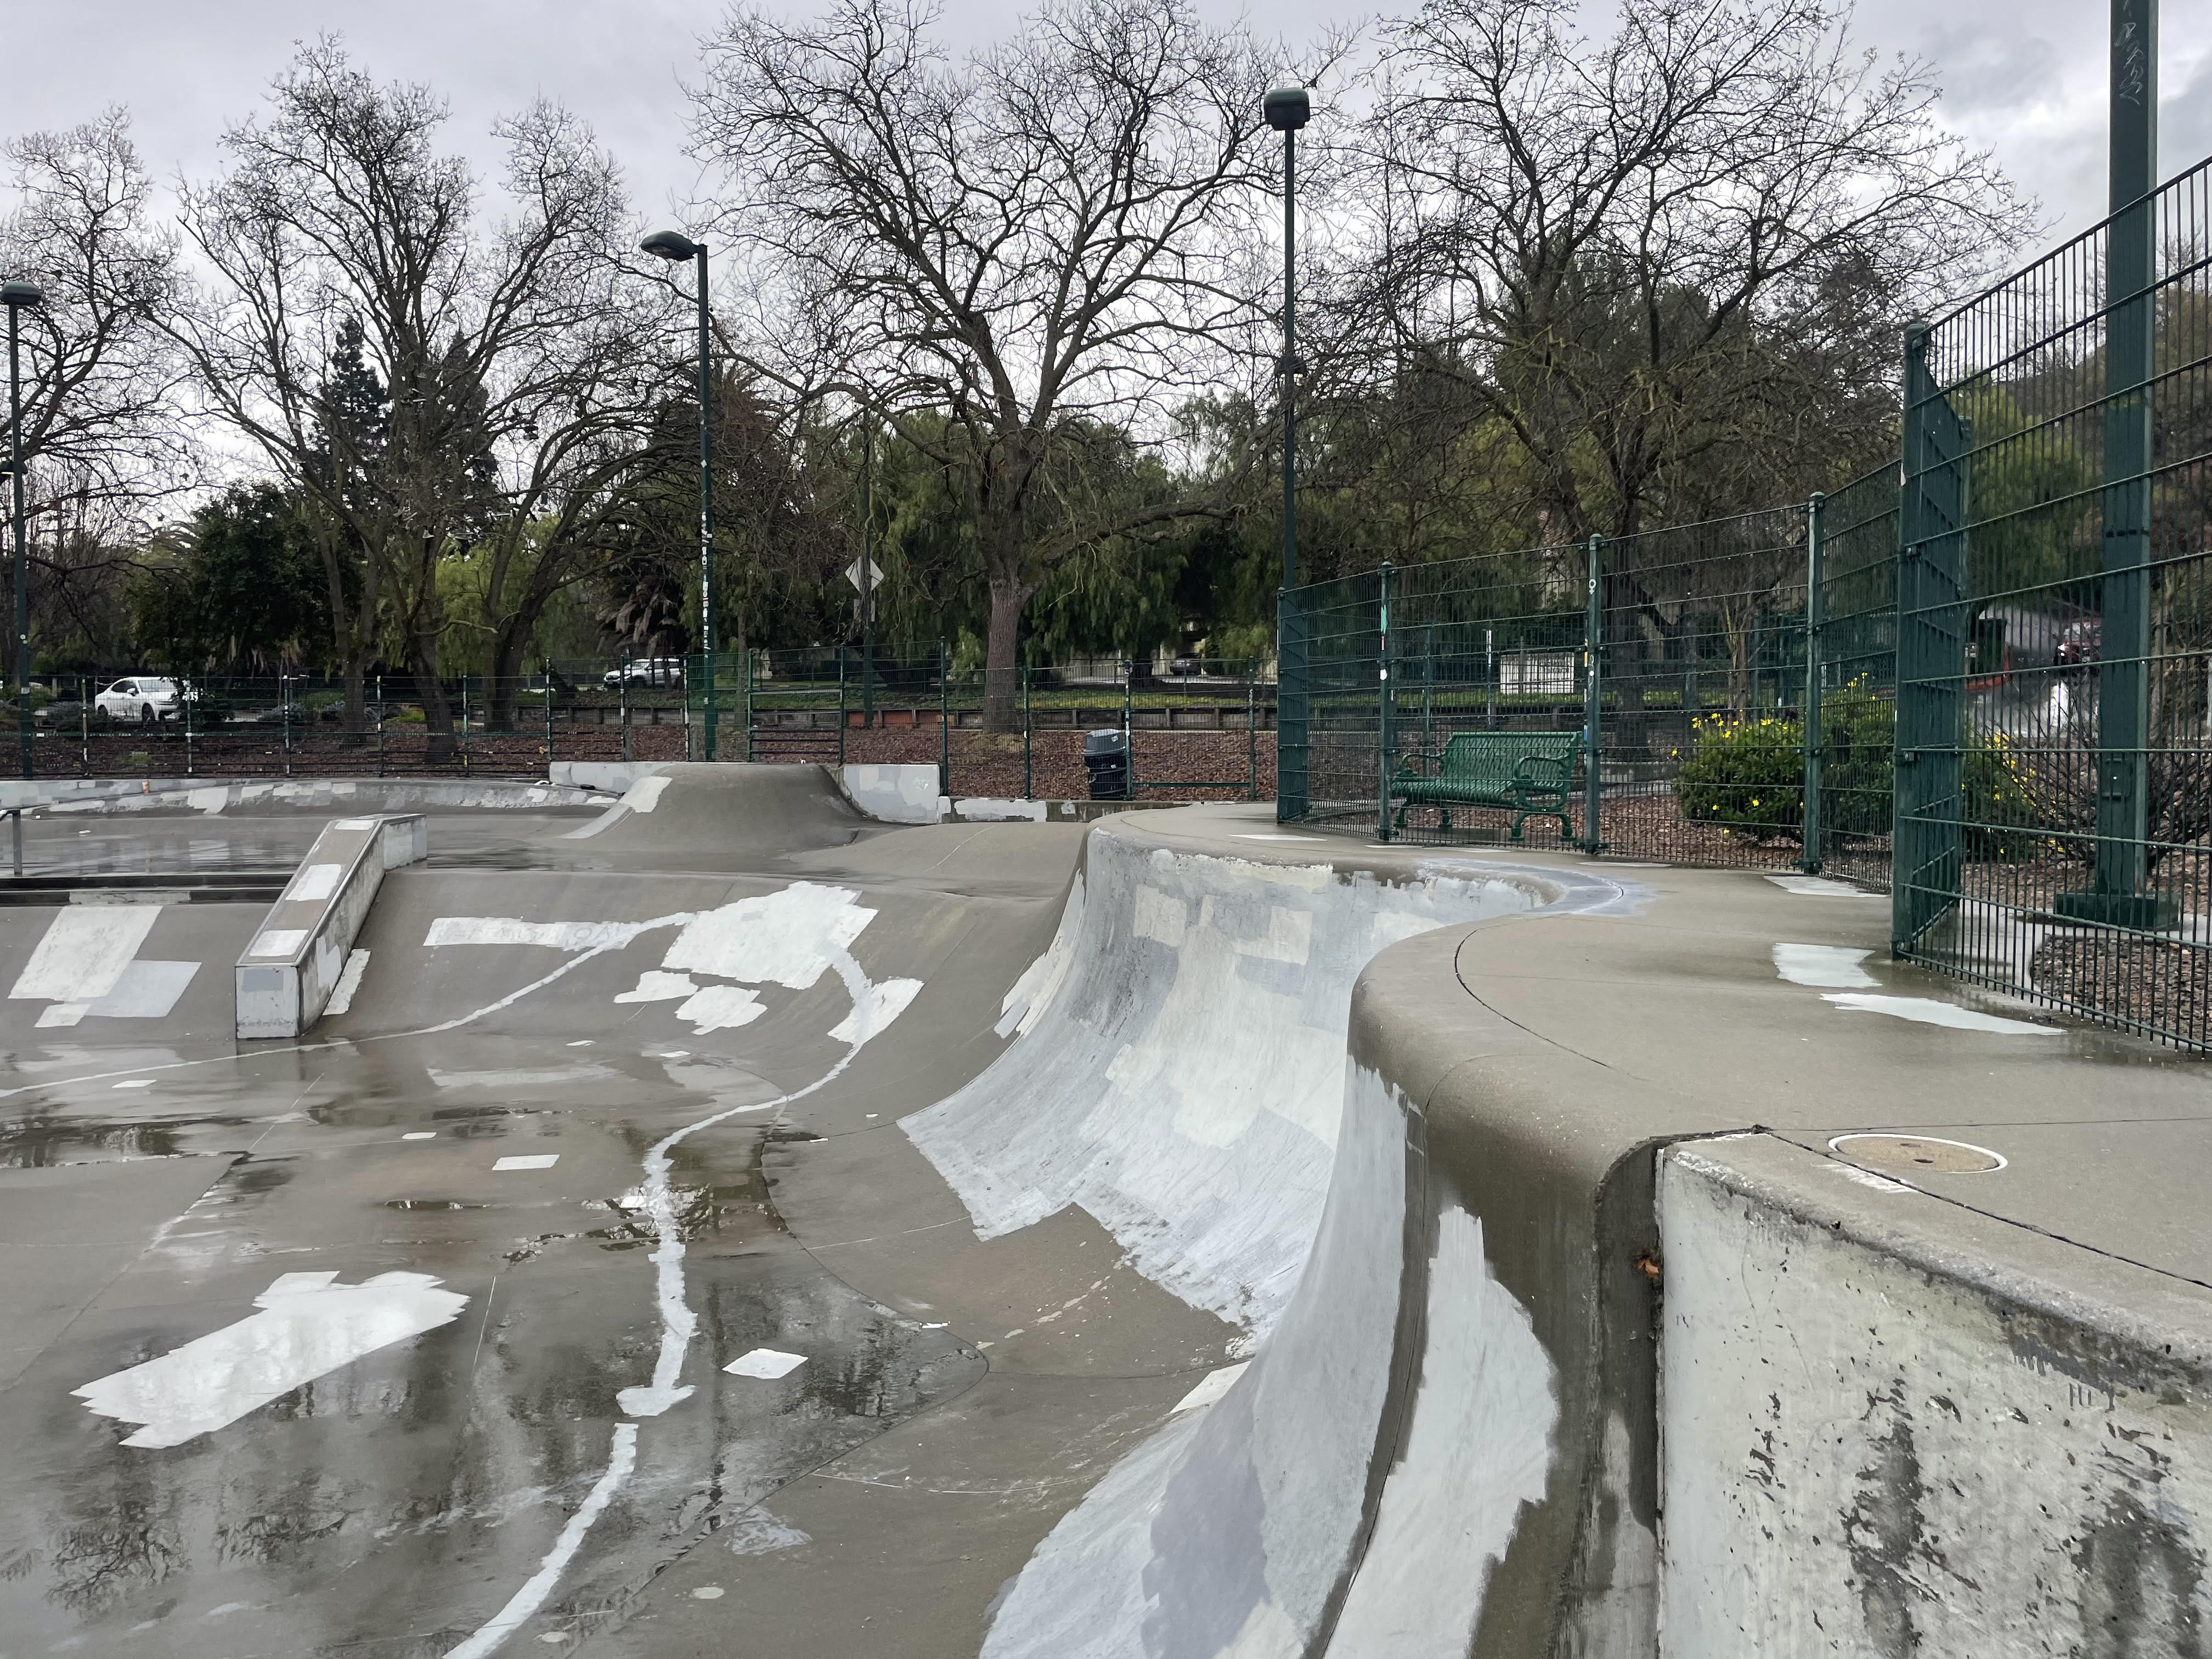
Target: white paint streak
x=84 y=951
x=645 y=794
x=765 y=1363
x=308 y=1326
x=341 y=994
x=1033 y=993
x=887 y=1001
x=552 y=1077
x=1864 y=1177
x=1479 y=1447
x=1822 y=887
x=1831 y=965
x=525 y=1601
x=1929 y=1012
x=279 y=942
x=526 y=1161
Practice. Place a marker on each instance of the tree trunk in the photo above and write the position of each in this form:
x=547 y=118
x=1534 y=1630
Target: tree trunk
x=438 y=745
x=1002 y=702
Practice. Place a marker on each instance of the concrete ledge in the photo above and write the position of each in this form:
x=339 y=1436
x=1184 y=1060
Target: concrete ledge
x=297 y=957
x=182 y=796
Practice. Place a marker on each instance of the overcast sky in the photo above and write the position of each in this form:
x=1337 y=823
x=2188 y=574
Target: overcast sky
x=2024 y=77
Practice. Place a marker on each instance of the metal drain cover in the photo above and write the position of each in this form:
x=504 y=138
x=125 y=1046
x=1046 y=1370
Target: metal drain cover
x=1922 y=1153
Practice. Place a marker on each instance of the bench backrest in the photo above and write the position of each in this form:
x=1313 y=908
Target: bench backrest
x=1489 y=757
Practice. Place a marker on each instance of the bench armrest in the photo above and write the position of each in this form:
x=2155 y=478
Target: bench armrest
x=1419 y=763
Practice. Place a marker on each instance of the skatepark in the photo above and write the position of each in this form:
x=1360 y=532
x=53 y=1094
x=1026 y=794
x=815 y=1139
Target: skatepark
x=718 y=1219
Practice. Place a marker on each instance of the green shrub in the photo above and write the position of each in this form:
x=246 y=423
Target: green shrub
x=1747 y=774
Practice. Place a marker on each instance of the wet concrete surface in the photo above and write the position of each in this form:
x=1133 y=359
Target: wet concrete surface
x=159 y=1180
x=66 y=844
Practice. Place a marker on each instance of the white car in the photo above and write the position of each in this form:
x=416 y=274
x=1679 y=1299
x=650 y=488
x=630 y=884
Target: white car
x=646 y=671
x=145 y=699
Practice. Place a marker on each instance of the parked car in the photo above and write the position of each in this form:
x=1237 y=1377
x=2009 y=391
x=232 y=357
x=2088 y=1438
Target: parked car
x=145 y=698
x=646 y=671
x=2082 y=644
x=1186 y=667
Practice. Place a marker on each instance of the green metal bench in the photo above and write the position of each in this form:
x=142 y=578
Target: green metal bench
x=1528 y=774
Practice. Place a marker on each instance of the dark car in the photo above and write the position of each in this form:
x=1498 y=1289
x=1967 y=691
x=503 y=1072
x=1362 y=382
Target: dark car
x=1187 y=667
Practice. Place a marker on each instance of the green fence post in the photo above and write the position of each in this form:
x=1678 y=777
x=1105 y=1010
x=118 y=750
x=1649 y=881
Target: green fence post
x=1810 y=835
x=1293 y=708
x=1252 y=732
x=1028 y=781
x=1385 y=738
x=284 y=714
x=1925 y=806
x=464 y=727
x=840 y=706
x=379 y=726
x=1593 y=704
x=622 y=696
x=1128 y=726
x=944 y=719
x=549 y=721
x=84 y=727
x=187 y=694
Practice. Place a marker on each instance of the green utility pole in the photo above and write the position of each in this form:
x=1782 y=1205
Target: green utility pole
x=1385 y=732
x=2123 y=651
x=1593 y=702
x=1286 y=110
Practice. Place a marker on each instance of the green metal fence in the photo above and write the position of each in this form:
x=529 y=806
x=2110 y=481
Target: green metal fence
x=1982 y=677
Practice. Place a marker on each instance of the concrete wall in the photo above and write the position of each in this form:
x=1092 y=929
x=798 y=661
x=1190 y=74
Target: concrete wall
x=1893 y=1430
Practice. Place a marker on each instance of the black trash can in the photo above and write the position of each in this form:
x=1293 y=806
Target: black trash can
x=1106 y=757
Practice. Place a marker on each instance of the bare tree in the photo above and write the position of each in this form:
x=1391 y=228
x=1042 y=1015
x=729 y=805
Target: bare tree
x=1024 y=245
x=1672 y=264
x=427 y=381
x=102 y=434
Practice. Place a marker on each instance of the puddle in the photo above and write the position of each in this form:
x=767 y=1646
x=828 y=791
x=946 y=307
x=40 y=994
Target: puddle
x=41 y=1143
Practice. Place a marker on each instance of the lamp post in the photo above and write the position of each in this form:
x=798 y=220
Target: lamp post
x=676 y=247
x=15 y=296
x=1286 y=110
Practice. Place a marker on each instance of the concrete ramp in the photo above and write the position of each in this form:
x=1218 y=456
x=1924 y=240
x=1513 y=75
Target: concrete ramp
x=719 y=815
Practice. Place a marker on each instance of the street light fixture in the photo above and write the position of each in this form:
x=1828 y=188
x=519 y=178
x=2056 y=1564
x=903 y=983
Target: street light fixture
x=676 y=247
x=1286 y=110
x=15 y=296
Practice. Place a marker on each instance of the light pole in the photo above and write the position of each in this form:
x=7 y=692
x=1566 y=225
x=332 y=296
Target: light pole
x=15 y=296
x=676 y=247
x=1287 y=109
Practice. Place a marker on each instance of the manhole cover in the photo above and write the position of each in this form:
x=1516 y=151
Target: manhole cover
x=1920 y=1153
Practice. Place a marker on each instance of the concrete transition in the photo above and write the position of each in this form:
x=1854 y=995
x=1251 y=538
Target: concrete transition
x=1177 y=1238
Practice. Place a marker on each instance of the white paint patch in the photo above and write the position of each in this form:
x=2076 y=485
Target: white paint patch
x=707 y=1593
x=555 y=935
x=784 y=938
x=315 y=881
x=136 y=1082
x=63 y=1013
x=887 y=999
x=531 y=1597
x=279 y=942
x=146 y=990
x=208 y=800
x=1822 y=887
x=894 y=794
x=720 y=1008
x=1832 y=966
x=308 y=1326
x=341 y=994
x=766 y=1363
x=762 y=1534
x=983 y=810
x=1155 y=915
x=1211 y=1387
x=653 y=986
x=1272 y=835
x=527 y=1161
x=84 y=951
x=1479 y=1447
x=1040 y=982
x=420 y=1134
x=1929 y=1012
x=1864 y=1178
x=645 y=794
